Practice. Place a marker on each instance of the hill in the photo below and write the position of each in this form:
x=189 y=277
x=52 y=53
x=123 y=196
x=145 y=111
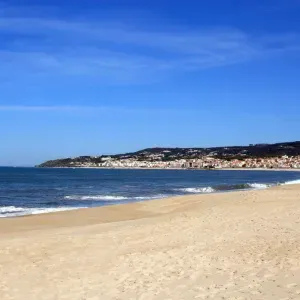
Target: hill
x=173 y=154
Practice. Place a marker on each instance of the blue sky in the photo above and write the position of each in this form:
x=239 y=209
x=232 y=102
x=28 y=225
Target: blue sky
x=93 y=77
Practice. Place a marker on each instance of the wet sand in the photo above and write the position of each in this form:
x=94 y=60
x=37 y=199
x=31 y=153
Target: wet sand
x=239 y=245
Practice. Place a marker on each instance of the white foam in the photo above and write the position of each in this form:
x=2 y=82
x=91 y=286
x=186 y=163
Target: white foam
x=105 y=198
x=197 y=190
x=209 y=189
x=258 y=186
x=96 y=197
x=12 y=211
x=111 y=197
x=151 y=197
x=49 y=210
x=297 y=181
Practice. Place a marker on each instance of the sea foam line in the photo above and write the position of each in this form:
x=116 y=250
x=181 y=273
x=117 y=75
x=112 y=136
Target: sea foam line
x=296 y=181
x=110 y=197
x=258 y=186
x=196 y=190
x=209 y=189
x=13 y=211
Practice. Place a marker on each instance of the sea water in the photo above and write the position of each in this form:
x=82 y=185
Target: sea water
x=25 y=191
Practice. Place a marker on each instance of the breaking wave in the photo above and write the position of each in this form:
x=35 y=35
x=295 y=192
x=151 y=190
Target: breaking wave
x=196 y=190
x=111 y=197
x=222 y=188
x=259 y=186
x=297 y=181
x=96 y=197
x=13 y=211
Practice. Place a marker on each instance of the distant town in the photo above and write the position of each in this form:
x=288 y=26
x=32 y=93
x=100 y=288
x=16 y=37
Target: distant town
x=262 y=156
x=283 y=162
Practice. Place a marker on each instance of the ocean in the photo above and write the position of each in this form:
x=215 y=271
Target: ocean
x=26 y=191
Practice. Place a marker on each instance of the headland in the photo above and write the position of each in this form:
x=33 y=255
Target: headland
x=259 y=156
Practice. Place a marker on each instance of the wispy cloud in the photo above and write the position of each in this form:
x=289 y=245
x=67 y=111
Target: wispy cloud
x=89 y=109
x=24 y=108
x=116 y=51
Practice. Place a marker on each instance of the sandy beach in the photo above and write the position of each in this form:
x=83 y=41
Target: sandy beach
x=239 y=245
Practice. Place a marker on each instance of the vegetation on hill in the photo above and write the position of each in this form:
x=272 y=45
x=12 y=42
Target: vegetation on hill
x=170 y=154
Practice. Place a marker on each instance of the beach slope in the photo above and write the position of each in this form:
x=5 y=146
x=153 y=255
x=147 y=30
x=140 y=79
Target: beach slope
x=240 y=245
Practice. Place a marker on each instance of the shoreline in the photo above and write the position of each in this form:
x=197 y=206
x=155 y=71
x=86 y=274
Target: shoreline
x=107 y=210
x=185 y=169
x=242 y=245
x=254 y=187
x=110 y=211
x=59 y=210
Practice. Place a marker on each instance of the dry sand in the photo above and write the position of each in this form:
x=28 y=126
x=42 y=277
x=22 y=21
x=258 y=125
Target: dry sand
x=241 y=245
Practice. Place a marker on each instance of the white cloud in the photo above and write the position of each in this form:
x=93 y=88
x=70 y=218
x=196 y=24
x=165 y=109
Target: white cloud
x=111 y=110
x=118 y=52
x=40 y=108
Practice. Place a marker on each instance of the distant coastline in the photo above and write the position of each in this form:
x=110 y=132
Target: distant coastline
x=259 y=156
x=187 y=169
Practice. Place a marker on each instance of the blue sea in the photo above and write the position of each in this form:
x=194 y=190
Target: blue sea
x=26 y=191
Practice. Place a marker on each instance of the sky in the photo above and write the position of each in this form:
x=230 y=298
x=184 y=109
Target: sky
x=101 y=77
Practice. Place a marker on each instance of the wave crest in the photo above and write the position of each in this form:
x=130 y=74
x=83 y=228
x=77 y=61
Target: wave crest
x=196 y=190
x=297 y=181
x=258 y=185
x=110 y=197
x=220 y=188
x=95 y=197
x=13 y=211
